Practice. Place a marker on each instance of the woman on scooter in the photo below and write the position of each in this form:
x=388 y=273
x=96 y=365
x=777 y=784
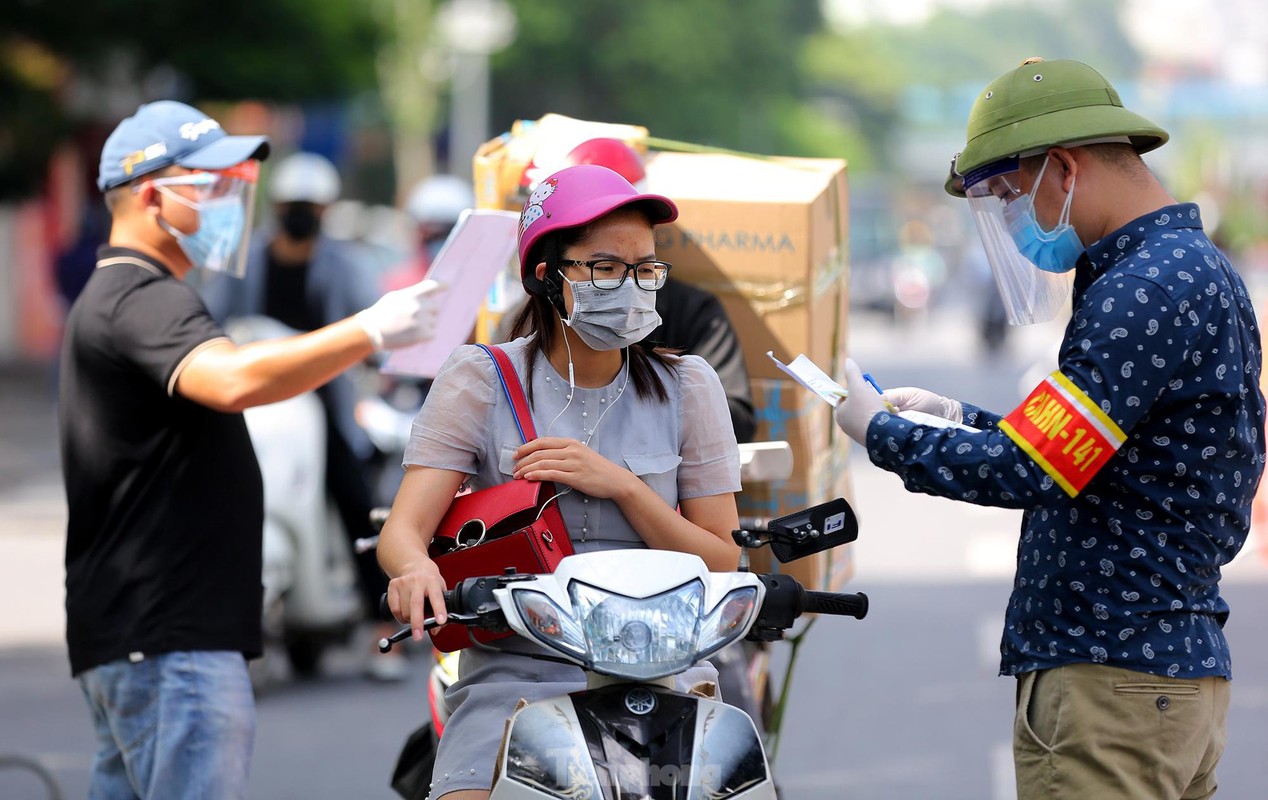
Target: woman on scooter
x=638 y=441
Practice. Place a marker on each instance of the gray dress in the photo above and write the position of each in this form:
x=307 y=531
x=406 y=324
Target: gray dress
x=682 y=448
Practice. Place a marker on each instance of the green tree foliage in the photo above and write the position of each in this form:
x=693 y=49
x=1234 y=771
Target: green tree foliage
x=718 y=72
x=279 y=50
x=869 y=75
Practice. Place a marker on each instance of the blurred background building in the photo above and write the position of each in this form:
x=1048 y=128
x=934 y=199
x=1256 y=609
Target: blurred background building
x=393 y=91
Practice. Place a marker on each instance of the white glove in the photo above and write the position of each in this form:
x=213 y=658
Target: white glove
x=403 y=317
x=855 y=412
x=909 y=398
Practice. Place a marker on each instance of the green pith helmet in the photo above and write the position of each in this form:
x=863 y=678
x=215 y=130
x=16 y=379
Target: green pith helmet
x=1046 y=103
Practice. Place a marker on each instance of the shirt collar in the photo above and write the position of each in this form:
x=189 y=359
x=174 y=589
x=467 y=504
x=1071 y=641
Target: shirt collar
x=111 y=252
x=1109 y=250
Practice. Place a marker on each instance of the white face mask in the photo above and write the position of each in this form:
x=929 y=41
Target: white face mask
x=609 y=319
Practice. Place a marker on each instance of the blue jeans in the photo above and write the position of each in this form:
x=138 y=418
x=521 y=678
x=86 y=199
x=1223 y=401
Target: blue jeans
x=175 y=725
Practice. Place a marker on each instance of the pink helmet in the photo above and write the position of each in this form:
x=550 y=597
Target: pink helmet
x=579 y=195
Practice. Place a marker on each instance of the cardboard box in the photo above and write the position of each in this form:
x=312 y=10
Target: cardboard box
x=768 y=236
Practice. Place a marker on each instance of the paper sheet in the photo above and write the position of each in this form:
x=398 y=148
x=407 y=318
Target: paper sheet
x=477 y=250
x=809 y=375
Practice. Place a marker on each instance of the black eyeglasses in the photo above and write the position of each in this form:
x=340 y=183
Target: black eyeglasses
x=608 y=273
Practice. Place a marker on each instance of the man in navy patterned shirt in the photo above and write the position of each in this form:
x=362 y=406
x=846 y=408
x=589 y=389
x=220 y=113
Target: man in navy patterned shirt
x=1135 y=461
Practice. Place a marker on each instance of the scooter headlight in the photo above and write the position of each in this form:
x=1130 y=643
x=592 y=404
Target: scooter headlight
x=639 y=638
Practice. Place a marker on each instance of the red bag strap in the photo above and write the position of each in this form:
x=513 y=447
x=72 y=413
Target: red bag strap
x=514 y=391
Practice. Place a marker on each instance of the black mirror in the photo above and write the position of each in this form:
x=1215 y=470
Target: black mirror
x=814 y=530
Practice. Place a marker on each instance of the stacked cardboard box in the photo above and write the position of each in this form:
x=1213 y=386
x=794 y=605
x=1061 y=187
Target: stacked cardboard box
x=768 y=236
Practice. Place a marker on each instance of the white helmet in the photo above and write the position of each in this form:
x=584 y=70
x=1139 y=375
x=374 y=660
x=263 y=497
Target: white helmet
x=305 y=178
x=439 y=200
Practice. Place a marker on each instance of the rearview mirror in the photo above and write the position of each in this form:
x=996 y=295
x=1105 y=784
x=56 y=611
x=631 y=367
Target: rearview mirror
x=814 y=530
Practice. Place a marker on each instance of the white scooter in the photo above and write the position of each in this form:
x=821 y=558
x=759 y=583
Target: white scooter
x=310 y=582
x=759 y=462
x=632 y=620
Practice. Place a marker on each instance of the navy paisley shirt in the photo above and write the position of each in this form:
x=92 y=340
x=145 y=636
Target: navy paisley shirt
x=1162 y=340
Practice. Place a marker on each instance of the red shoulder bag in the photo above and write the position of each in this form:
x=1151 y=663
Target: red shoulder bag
x=515 y=524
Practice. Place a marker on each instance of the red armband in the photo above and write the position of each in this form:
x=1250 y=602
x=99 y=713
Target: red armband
x=1067 y=435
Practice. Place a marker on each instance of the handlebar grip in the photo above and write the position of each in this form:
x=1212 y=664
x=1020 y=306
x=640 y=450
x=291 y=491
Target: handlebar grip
x=452 y=601
x=845 y=605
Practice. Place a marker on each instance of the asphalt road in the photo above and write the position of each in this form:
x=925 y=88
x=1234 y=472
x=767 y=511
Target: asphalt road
x=905 y=704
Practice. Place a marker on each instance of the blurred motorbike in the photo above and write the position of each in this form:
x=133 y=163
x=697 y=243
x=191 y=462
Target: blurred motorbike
x=310 y=594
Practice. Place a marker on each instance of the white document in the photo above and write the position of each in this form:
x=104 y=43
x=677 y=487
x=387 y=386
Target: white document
x=478 y=249
x=809 y=375
x=933 y=420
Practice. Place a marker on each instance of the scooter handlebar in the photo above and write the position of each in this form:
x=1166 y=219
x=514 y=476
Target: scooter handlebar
x=840 y=604
x=470 y=602
x=786 y=600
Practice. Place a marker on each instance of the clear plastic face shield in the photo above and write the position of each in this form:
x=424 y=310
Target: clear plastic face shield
x=225 y=203
x=1003 y=212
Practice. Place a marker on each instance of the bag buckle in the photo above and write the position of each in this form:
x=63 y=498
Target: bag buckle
x=462 y=539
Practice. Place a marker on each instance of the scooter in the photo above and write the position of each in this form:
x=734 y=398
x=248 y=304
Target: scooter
x=632 y=620
x=742 y=668
x=310 y=591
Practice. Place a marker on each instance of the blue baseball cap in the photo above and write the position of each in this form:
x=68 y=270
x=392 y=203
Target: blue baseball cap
x=166 y=132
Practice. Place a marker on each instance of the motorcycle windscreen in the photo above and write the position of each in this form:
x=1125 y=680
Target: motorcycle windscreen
x=636 y=741
x=728 y=758
x=547 y=751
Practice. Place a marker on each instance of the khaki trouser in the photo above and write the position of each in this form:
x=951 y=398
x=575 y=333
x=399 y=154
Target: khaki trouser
x=1089 y=731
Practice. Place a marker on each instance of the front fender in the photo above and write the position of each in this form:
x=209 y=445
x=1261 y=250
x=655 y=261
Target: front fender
x=648 y=740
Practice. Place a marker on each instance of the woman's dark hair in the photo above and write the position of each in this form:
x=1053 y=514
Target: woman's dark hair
x=537 y=318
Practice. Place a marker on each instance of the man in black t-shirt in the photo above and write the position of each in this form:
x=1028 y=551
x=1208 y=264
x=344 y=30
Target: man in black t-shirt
x=163 y=549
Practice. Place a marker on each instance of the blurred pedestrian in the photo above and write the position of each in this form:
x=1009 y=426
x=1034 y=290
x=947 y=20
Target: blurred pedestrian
x=164 y=537
x=434 y=206
x=1135 y=461
x=305 y=279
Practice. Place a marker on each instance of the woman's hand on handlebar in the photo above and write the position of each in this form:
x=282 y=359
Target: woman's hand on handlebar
x=411 y=593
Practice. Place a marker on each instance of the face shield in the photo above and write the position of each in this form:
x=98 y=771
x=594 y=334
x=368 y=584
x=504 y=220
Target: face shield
x=225 y=203
x=1032 y=289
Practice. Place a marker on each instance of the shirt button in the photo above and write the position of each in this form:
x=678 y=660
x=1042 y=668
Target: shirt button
x=586 y=500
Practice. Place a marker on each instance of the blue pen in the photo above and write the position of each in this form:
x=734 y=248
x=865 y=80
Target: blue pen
x=872 y=382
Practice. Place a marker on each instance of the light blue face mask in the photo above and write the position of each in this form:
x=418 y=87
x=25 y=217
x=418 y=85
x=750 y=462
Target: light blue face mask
x=1057 y=250
x=221 y=222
